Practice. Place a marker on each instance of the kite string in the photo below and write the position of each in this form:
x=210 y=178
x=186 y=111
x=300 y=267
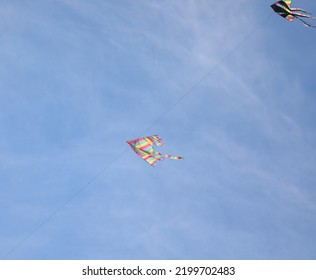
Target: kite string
x=63 y=205
x=198 y=82
x=76 y=193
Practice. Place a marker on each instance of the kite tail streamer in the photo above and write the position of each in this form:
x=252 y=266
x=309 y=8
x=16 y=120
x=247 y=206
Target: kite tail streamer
x=306 y=23
x=169 y=156
x=295 y=14
x=300 y=10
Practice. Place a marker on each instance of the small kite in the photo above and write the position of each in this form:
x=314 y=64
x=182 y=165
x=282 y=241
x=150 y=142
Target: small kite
x=283 y=8
x=144 y=148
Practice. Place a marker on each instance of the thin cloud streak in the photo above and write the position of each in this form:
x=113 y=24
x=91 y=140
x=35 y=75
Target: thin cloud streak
x=100 y=74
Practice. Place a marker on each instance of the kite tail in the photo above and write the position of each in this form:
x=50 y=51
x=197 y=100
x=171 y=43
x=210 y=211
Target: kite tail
x=173 y=157
x=300 y=10
x=303 y=16
x=170 y=156
x=306 y=23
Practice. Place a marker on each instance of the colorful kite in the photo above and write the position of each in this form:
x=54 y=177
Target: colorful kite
x=283 y=8
x=144 y=148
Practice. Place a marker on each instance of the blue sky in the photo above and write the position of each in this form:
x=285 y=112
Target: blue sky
x=80 y=78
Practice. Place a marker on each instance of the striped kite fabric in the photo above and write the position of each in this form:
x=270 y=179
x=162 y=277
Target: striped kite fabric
x=143 y=147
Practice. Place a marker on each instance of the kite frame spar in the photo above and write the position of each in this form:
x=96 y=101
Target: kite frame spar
x=283 y=8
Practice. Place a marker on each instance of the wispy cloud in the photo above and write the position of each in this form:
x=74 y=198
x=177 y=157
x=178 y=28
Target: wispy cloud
x=80 y=78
